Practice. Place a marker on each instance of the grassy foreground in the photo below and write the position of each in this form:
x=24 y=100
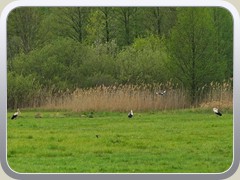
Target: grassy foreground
x=186 y=141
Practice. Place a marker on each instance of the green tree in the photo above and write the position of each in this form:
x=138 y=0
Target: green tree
x=72 y=22
x=143 y=62
x=100 y=28
x=125 y=20
x=24 y=32
x=192 y=50
x=159 y=20
x=224 y=38
x=24 y=23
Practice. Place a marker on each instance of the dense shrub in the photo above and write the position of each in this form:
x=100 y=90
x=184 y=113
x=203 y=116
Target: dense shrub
x=22 y=90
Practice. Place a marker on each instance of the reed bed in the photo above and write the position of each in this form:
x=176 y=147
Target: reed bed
x=219 y=95
x=122 y=98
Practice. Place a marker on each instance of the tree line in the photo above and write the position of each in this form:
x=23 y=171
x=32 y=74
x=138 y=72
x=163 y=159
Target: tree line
x=61 y=49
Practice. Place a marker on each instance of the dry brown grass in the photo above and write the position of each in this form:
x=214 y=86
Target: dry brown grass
x=139 y=98
x=220 y=96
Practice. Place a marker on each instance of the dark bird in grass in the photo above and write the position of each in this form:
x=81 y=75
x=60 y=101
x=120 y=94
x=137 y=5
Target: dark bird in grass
x=130 y=114
x=217 y=112
x=161 y=92
x=97 y=136
x=90 y=115
x=16 y=114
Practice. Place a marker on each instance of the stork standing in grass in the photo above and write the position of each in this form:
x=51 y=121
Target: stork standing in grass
x=130 y=114
x=217 y=112
x=16 y=114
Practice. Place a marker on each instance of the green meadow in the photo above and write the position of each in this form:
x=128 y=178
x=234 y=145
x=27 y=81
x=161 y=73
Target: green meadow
x=183 y=141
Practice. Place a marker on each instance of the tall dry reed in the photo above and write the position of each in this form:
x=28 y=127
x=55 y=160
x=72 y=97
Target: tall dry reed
x=219 y=95
x=139 y=98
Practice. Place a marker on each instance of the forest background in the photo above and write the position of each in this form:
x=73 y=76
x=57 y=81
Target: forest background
x=56 y=55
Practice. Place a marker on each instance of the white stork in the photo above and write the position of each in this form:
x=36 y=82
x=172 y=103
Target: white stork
x=217 y=112
x=161 y=92
x=16 y=114
x=130 y=114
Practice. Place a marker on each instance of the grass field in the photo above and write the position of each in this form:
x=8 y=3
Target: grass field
x=184 y=141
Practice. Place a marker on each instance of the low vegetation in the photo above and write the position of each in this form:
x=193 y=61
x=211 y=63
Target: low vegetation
x=140 y=98
x=179 y=141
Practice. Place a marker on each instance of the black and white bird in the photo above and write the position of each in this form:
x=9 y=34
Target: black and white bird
x=16 y=114
x=130 y=114
x=217 y=112
x=161 y=92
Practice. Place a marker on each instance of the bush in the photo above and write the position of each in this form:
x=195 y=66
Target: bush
x=22 y=91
